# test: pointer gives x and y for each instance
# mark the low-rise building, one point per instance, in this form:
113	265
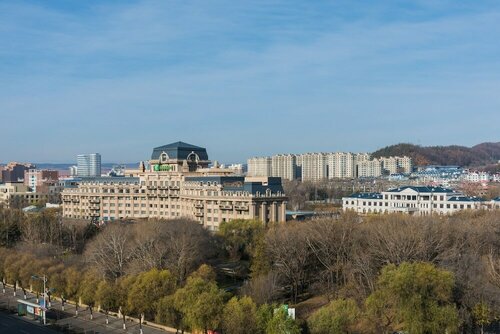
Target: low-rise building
476	176
417	200
17	193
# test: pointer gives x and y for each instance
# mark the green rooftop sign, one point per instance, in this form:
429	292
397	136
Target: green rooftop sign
162	168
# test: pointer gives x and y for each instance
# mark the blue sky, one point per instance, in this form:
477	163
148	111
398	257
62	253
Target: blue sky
245	78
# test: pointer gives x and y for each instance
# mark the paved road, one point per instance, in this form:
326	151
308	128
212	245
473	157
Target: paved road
80	323
12	324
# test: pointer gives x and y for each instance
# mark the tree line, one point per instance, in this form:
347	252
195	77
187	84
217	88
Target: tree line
377	274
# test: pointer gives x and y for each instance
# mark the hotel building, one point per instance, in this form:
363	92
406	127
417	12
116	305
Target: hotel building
177	183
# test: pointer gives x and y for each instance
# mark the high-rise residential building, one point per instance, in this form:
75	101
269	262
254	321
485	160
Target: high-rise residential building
177	184
37	178
260	166
405	164
369	168
319	166
394	165
284	166
89	165
314	167
341	165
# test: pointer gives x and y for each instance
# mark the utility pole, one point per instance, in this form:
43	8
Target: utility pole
44	300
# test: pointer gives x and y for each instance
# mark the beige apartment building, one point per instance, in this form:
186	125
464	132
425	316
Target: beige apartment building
394	165
341	165
284	166
177	184
260	166
369	168
20	193
314	167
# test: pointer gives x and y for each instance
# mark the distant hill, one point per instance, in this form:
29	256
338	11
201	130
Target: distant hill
479	155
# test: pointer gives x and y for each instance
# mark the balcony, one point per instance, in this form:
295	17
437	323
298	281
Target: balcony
199	205
75	200
162	187
241	207
152	187
174	195
225	206
94	201
94	215
163	195
198	214
174	187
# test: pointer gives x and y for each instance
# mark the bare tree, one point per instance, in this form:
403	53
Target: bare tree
179	245
111	250
290	255
262	289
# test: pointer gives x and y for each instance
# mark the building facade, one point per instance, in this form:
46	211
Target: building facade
341	165
314	167
414	200
20	195
14	172
38	179
89	165
397	165
259	166
369	168
177	184
284	166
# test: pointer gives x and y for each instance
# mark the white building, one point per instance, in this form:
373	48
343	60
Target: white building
237	168
314	167
369	168
259	166
284	166
341	165
477	177
89	165
73	171
421	200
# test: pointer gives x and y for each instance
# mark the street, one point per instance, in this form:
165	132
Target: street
69	323
12	324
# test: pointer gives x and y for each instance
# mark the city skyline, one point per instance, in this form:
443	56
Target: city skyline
268	77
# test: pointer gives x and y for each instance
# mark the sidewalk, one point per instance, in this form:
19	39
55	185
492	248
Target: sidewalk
82	322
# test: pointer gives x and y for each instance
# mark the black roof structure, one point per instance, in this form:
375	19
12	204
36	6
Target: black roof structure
180	151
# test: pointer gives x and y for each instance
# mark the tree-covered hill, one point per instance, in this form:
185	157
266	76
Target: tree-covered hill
478	155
